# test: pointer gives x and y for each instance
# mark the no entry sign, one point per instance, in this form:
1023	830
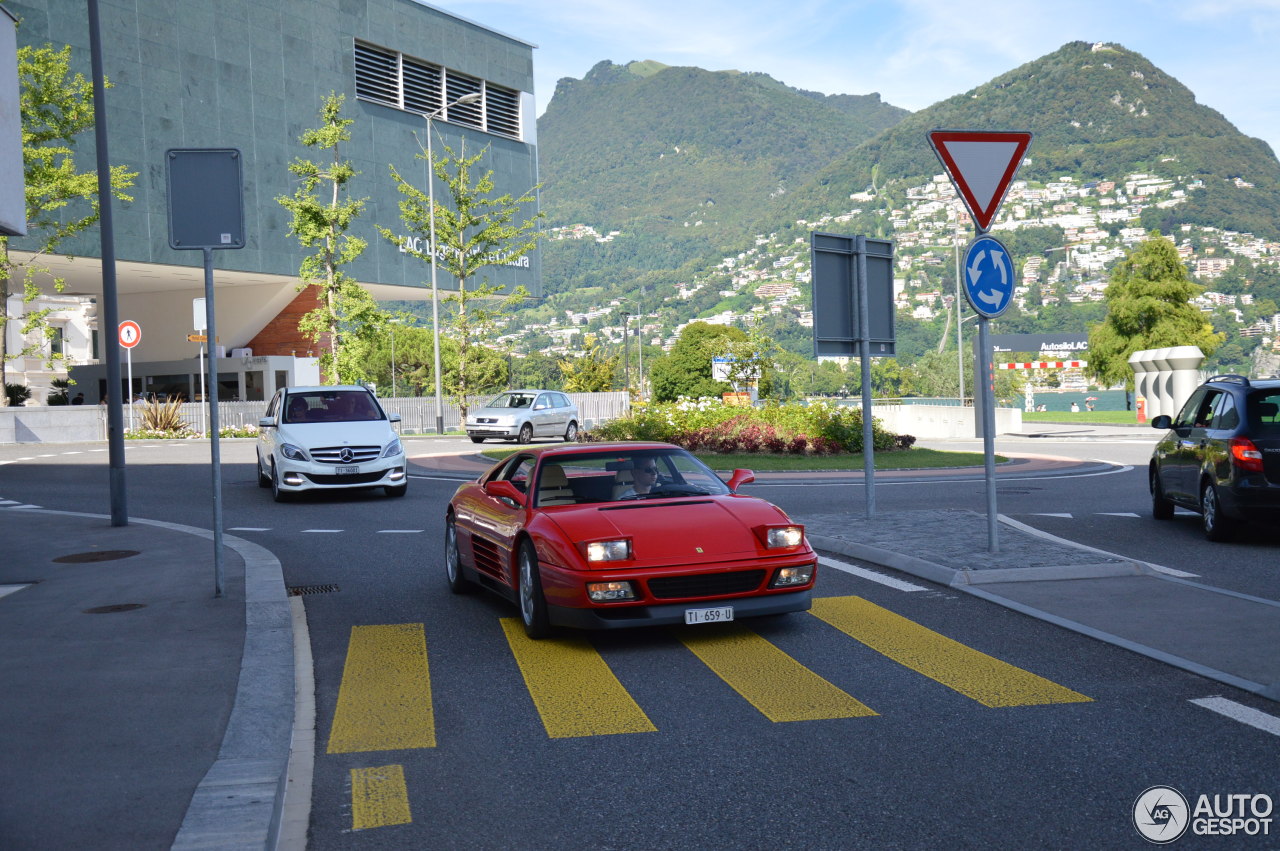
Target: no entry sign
130	334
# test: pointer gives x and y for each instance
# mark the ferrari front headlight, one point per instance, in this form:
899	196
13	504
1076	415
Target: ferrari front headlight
784	536
619	550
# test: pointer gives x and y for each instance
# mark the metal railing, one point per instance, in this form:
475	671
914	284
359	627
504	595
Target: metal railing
417	413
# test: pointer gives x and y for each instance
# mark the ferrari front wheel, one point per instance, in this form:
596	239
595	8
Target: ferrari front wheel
458	582
533	606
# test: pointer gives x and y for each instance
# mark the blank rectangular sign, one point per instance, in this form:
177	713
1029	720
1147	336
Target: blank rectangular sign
835	295
206	198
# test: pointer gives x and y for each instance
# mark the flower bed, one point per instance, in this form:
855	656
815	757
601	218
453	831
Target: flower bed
709	425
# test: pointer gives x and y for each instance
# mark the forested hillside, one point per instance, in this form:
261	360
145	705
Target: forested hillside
677	194
681	160
1098	112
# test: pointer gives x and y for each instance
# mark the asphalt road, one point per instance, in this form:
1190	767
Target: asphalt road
891	756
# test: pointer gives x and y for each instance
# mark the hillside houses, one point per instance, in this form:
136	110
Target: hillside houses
1099	221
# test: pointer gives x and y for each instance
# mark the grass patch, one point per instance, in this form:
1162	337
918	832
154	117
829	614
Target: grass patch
1082	417
908	459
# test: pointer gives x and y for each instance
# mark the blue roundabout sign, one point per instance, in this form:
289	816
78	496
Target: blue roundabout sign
988	276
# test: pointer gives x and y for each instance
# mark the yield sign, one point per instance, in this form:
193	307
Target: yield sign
981	164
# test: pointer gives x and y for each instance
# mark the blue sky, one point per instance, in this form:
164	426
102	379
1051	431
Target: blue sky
913	52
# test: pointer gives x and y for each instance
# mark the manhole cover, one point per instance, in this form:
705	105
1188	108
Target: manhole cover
96	555
299	590
118	607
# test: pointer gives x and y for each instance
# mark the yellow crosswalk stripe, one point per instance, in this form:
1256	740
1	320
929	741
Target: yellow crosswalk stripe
379	797
984	678
770	680
573	688
384	701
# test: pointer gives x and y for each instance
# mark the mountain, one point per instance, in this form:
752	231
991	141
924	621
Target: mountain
700	187
681	158
1098	112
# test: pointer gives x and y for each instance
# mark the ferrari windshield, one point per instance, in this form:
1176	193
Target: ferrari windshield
590	477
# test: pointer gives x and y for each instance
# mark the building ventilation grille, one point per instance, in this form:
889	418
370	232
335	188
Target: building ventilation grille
392	79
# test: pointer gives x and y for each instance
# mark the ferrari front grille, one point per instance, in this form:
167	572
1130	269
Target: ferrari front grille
706	584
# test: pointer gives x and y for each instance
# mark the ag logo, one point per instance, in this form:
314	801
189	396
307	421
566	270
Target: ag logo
1161	814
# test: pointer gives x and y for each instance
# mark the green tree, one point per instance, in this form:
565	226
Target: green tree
536	370
593	372
474	229
1148	307
321	223
686	369
55	106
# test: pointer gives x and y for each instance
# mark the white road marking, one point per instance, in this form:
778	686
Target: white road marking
1169	571
1117	514
322	531
9	589
249	529
8	502
1063	516
870	574
16	507
1240	712
400	531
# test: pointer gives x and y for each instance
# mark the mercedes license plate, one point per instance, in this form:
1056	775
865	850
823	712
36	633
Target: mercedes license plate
347	471
720	615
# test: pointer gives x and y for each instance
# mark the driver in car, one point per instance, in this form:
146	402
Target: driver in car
644	478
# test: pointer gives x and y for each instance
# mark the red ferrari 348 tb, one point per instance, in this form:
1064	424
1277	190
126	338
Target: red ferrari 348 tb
602	536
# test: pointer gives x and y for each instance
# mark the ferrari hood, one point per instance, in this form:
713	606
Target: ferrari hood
684	530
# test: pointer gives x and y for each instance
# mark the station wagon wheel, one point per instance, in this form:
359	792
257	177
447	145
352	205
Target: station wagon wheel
264	481
1215	524
1161	506
526	433
533	606
458	583
571	433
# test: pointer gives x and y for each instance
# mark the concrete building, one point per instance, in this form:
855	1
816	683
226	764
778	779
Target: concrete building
251	74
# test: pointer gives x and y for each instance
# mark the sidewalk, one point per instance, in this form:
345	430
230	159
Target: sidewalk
139	710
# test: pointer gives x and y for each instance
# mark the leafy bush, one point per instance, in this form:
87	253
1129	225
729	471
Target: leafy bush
16	394
61	393
164	417
708	425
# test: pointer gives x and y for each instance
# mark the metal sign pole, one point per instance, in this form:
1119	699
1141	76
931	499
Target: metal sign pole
864	355
204	396
128	354
988	412
214	449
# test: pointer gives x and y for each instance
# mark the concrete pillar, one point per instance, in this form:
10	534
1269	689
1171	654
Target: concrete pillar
1184	375
1140	362
1160	382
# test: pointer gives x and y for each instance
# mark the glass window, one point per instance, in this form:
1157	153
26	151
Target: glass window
1225	415
1264	412
1198	412
518	471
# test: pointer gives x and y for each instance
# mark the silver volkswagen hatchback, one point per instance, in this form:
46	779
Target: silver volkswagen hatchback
522	415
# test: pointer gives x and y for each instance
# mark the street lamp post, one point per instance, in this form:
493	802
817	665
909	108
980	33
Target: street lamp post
626	351
955	244
431	216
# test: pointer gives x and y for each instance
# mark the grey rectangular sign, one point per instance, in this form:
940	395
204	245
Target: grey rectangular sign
835	296
206	198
